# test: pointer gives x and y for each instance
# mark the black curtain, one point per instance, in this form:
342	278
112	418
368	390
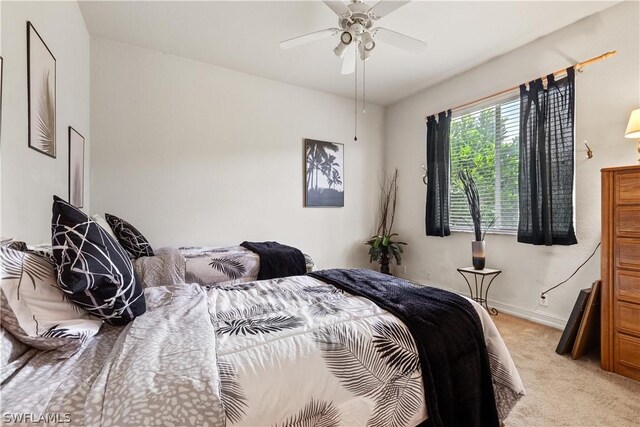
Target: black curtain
437	210
546	170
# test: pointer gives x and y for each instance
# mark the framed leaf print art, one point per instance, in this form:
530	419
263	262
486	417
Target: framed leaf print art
324	174
41	87
76	168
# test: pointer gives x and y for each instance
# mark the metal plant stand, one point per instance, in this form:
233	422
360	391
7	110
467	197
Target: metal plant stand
478	293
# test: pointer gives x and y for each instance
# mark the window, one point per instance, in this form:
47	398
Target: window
485	141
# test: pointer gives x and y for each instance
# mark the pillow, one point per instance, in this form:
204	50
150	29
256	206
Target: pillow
34	309
129	237
93	268
104	224
43	249
15	245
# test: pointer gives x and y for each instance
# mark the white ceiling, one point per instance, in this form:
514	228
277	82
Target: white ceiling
244	36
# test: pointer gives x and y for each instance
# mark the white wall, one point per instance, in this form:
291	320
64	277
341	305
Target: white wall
605	95
194	154
29	178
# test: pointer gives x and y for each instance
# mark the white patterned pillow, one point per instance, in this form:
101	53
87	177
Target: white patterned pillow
43	249
34	308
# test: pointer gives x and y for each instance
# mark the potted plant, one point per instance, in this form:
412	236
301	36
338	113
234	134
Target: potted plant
473	199
383	248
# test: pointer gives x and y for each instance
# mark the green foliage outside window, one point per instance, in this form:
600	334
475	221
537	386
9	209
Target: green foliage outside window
485	142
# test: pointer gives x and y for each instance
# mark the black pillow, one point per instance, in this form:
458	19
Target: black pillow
129	237
93	268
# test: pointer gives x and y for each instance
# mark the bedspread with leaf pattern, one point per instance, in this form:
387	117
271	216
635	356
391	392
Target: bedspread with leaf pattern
283	352
305	353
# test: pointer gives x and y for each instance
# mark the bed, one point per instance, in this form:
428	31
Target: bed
285	352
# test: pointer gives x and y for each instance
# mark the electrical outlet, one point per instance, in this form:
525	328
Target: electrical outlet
544	301
404	269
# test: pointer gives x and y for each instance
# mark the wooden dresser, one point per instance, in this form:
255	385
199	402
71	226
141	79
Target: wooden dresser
621	270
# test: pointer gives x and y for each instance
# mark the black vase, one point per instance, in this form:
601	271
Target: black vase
384	264
478	255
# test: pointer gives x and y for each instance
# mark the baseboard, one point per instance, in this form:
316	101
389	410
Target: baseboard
534	316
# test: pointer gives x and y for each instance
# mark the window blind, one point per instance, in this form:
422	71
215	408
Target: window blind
485	141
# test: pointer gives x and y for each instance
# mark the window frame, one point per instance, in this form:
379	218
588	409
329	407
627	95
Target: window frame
510	96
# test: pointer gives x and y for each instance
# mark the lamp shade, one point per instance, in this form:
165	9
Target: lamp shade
633	128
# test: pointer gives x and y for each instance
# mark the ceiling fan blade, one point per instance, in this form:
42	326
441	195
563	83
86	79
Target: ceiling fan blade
338	7
385	7
349	60
398	40
308	38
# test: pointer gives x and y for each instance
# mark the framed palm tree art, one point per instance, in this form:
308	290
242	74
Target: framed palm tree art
41	89
324	174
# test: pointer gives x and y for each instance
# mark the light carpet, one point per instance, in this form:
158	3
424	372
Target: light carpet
562	391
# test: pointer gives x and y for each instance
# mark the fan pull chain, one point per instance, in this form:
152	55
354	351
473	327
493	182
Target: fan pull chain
355	99
364	91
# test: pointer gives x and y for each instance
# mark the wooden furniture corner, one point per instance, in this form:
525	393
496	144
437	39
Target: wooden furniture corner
620	271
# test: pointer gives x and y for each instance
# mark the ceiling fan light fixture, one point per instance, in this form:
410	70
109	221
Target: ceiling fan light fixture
340	49
357	33
346	37
367	42
345	22
364	53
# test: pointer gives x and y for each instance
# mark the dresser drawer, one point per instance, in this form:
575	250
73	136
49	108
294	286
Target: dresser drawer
627	350
628	318
627	252
628	218
627	285
627	187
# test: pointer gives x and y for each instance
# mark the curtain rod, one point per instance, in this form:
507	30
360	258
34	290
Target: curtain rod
578	67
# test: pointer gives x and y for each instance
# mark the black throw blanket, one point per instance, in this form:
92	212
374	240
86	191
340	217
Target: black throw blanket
450	342
277	260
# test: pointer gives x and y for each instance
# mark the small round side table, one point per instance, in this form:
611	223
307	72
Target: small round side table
478	293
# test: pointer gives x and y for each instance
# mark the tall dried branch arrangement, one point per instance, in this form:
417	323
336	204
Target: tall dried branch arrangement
387	206
473	199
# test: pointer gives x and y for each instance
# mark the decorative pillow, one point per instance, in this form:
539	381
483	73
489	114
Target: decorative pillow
42	249
35	310
129	237
104	224
93	268
309	263
16	245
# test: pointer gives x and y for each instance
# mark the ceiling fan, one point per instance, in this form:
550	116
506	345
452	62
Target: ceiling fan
357	35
